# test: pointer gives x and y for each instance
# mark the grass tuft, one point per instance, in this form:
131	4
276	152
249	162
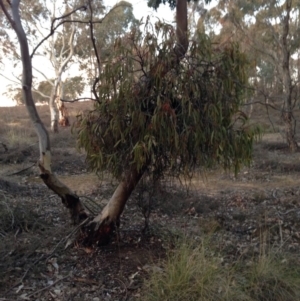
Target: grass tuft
199	273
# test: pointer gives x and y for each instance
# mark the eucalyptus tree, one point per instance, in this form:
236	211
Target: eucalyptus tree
268	29
72	88
164	105
117	21
167	107
39	19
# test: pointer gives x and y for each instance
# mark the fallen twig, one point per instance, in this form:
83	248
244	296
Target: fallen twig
67	237
84	280
47	287
20	171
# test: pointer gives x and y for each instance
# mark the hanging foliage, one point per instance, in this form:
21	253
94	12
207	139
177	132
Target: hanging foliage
174	123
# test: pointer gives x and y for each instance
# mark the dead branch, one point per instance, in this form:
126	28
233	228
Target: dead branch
20	171
52	30
97	79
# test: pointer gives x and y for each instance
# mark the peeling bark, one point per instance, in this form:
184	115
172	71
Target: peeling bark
58	112
63	115
62	109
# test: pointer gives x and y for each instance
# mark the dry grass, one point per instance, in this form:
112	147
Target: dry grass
201	273
17	131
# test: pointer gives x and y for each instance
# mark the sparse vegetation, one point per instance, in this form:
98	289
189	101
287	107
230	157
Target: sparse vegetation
236	215
165	109
198	271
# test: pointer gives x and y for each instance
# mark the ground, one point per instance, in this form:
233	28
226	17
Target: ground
41	253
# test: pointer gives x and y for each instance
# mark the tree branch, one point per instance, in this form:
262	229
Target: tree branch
46	78
97	79
8	16
78	99
52	29
40	93
11	80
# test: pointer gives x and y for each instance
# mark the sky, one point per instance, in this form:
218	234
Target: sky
140	10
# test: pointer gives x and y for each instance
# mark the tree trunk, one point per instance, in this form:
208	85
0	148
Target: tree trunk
287	113
57	111
101	228
290	131
62	109
70	200
63	114
53	111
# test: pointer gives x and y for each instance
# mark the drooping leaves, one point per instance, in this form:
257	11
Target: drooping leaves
188	118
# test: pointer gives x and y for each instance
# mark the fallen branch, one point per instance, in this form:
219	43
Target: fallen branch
20	171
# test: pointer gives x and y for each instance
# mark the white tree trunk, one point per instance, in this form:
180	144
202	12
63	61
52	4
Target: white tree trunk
69	198
53	112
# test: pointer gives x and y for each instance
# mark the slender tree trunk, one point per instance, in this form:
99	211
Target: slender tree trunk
53	111
58	111
287	113
69	198
62	109
103	225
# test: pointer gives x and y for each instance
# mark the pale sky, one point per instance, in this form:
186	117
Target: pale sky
140	10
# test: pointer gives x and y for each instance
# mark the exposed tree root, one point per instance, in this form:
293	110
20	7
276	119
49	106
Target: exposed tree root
98	234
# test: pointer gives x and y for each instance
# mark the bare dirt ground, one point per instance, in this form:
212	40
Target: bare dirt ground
42	259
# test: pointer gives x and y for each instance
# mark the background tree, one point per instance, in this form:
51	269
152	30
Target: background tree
267	29
72	88
116	22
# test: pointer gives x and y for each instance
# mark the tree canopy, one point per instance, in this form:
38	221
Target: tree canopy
188	118
172	3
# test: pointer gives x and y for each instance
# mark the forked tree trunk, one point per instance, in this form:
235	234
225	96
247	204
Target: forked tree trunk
57	110
101	227
287	113
69	199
